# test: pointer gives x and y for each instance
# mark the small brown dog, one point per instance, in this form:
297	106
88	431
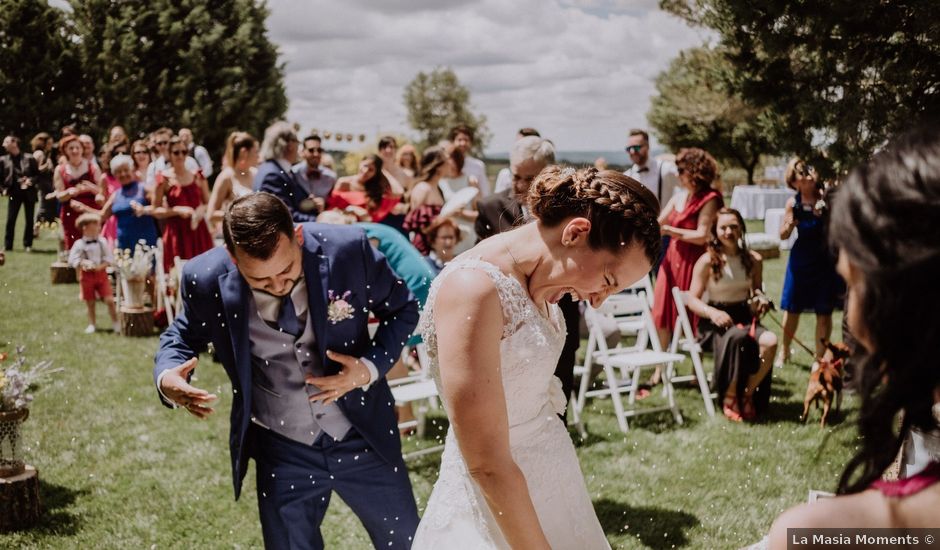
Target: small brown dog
825	382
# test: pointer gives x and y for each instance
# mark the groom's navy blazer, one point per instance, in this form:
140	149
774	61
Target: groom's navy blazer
335	258
271	178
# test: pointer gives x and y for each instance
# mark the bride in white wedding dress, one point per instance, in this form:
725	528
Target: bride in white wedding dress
509	474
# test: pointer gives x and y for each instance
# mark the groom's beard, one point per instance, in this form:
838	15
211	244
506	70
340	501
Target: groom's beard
286	292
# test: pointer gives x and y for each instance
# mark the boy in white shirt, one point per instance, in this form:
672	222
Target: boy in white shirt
91	256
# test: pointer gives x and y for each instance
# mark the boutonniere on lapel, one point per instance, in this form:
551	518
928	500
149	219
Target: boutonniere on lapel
339	308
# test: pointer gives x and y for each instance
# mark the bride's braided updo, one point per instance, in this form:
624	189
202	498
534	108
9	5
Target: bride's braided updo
621	211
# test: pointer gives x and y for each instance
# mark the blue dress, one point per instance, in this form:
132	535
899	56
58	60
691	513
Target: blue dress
130	228
811	282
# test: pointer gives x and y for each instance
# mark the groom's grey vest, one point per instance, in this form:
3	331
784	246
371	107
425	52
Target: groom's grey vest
280	398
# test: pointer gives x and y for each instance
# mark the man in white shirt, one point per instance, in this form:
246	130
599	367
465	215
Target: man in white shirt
196	151
462	138
504	178
660	177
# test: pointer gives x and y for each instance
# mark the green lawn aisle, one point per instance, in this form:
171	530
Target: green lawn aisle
119	470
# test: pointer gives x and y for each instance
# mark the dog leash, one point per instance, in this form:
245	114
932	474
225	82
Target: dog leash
792	336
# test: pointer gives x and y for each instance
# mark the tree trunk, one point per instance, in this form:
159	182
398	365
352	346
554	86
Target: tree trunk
20	506
136	322
751	166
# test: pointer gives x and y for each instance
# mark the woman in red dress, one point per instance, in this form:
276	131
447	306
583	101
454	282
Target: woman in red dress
686	219
371	195
75	180
181	197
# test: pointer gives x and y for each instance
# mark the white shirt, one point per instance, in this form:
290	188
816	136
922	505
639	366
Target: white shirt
95	251
503	181
654	174
202	159
475	167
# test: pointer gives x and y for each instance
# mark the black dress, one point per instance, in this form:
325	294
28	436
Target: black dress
737	355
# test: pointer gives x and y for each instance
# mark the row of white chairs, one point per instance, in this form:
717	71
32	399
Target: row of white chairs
628	314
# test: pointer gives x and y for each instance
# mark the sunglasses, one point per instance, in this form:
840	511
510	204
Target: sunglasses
633	148
314	149
139	152
178	153
162	143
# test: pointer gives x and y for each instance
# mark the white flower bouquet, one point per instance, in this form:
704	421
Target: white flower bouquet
18	381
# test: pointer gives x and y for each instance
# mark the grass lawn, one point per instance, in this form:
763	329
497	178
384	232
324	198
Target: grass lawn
119	470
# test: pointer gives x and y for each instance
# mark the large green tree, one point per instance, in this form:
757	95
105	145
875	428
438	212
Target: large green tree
697	106
843	74
437	102
39	68
208	65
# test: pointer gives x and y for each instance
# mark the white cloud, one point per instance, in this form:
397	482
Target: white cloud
581	71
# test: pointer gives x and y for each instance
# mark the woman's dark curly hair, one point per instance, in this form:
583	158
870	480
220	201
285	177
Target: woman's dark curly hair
885	220
700	166
621	210
715	260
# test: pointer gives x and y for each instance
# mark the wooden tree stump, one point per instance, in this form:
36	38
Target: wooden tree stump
20	506
136	321
62	273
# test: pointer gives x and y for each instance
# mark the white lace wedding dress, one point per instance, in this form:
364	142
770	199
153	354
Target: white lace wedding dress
457	515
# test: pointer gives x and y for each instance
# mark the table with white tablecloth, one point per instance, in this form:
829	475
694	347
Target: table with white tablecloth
773	219
752	201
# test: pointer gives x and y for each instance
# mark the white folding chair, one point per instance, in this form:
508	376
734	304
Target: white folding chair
684	341
622	365
417	389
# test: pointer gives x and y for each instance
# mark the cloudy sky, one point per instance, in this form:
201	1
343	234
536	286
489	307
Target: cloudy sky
581	71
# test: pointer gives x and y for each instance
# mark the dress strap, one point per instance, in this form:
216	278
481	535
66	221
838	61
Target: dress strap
512	296
909	485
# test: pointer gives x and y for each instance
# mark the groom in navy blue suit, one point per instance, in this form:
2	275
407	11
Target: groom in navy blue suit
286	310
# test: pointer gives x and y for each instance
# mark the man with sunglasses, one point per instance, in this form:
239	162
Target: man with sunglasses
317	181
658	176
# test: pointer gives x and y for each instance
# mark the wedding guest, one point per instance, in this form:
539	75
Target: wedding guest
236	178
107	185
659	176
316	182
180	200
884	226
90	256
388	152
196	151
504	177
444	235
426	198
408	160
686	219
118	136
75	179
132	226
279	153
328	165
314	423
88	149
504	210
160	143
732	276
41	145
372	196
811	282
19	173
140	152
462	138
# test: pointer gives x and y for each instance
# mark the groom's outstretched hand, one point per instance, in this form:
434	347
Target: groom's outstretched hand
354	373
174	385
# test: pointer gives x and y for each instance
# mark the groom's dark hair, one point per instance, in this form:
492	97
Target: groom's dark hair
253	225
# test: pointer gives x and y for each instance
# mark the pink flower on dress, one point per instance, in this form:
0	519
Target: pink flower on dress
339	309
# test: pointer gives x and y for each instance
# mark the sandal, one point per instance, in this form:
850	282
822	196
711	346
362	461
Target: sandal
730	409
748	412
